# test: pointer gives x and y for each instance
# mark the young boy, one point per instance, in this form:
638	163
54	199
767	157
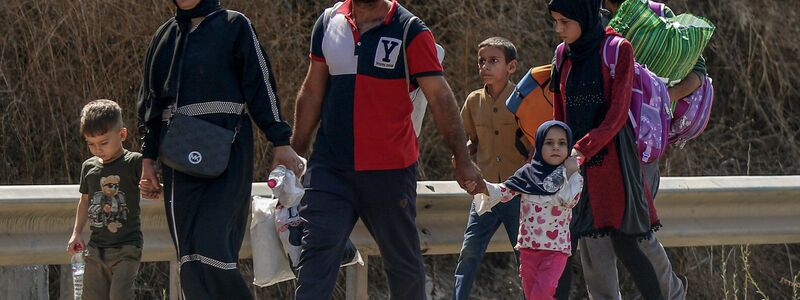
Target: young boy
501	149
110	203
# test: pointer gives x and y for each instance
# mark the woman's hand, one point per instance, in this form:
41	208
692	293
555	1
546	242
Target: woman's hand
285	155
149	186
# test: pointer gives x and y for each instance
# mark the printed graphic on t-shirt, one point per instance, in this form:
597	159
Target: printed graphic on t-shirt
107	208
387	53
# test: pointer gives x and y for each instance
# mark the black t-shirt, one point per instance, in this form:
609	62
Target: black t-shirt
113	190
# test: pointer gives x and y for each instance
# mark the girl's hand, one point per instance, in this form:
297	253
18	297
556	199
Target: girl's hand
571	164
578	155
477	187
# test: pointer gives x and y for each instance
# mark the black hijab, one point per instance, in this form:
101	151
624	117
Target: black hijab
587	13
202	9
538	177
584	95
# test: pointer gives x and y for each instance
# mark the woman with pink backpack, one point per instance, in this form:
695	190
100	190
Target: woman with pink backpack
693	94
615	201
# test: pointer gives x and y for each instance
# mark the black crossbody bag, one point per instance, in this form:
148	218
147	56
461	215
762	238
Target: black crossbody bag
196	147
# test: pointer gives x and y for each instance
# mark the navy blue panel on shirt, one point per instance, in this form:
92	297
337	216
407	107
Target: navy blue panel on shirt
334	141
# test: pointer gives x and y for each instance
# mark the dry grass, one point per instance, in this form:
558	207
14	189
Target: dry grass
58	55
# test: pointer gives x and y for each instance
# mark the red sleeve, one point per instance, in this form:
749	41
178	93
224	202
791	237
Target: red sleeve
422	59
619	104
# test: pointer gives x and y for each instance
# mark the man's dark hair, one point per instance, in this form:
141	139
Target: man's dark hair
100	116
504	44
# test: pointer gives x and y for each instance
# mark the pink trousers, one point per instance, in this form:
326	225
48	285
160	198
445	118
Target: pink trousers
540	271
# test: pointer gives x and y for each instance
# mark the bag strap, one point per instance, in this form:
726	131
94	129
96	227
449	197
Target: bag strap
328	14
560	56
406	27
149	56
656	7
611	53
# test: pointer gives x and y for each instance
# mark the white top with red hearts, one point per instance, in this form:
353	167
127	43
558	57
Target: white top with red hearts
544	220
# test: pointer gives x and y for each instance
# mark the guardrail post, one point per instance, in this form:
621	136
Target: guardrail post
24	282
357	284
175	292
65	283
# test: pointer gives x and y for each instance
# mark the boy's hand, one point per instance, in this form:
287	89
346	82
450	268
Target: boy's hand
571	164
75	244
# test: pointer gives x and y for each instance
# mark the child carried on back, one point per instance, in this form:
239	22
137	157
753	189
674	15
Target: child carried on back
550	185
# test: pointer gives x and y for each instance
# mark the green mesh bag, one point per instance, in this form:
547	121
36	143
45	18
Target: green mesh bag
669	47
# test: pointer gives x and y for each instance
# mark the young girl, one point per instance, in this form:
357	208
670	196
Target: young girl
615	201
550	186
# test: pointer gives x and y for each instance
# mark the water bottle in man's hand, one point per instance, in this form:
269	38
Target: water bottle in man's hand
285	186
277	176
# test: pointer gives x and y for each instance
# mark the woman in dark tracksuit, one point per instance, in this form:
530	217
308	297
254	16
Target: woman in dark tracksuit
210	60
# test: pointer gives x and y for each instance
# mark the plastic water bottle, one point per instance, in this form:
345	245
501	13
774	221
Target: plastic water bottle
78	265
277	176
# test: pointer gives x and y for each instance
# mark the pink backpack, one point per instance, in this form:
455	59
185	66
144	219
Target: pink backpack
649	112
691	113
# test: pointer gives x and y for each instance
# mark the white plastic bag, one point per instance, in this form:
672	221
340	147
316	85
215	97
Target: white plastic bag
419	101
270	264
288	220
284	219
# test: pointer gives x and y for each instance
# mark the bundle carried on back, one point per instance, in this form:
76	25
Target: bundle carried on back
669	47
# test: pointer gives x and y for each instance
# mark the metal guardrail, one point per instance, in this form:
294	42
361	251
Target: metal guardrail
35	221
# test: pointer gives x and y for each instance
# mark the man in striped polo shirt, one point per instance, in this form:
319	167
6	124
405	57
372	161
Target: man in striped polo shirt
364	163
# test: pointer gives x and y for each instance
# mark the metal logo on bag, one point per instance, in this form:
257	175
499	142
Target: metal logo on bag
195	157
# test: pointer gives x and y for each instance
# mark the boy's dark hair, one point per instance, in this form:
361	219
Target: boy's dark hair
504	44
617	2
100	116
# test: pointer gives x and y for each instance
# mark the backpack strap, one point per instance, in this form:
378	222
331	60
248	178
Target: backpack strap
559	56
329	13
406	27
656	7
611	53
